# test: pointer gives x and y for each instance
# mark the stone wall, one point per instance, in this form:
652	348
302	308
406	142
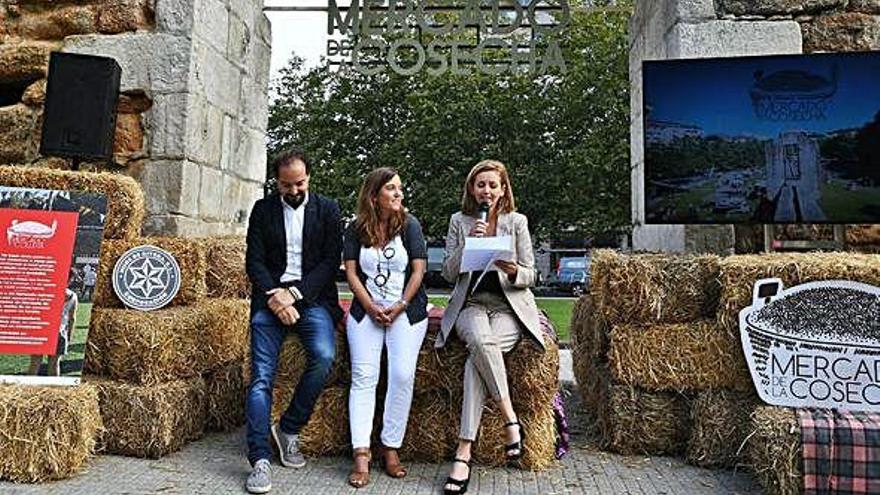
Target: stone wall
191	122
667	29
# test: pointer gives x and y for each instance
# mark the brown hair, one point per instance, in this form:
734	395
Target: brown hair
368	225
505	203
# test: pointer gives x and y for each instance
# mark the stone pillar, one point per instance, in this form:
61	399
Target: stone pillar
205	70
667	29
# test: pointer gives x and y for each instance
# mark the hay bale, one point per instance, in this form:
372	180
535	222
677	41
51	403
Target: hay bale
738	275
225	392
225	276
440	370
653	288
595	387
47	432
678	356
152	420
721	423
147	347
125	198
539	426
533	373
432	429
226	334
635	421
327	431
774	449
189	253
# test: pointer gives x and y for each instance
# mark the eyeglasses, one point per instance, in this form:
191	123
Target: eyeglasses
382	278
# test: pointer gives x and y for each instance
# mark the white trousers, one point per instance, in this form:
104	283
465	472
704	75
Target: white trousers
365	342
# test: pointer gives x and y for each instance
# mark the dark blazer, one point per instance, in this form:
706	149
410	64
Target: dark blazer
266	258
416	248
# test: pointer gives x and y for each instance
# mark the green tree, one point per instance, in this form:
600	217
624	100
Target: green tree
564	137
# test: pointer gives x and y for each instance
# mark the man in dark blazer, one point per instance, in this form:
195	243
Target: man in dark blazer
293	254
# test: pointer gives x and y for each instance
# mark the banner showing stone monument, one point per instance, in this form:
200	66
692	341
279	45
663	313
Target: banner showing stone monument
50	245
815	344
771	139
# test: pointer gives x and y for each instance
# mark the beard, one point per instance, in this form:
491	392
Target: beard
294	199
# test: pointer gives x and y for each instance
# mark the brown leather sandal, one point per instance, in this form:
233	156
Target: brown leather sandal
357	478
391	463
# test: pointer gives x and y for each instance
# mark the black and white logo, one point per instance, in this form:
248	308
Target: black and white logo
814	345
146	278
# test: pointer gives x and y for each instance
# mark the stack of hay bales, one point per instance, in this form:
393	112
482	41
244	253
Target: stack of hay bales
647	350
434	419
49	432
657	354
165	376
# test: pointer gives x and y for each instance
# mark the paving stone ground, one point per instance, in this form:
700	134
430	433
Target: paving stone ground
216	465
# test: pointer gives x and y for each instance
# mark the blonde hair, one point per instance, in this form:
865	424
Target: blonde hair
506	203
368	225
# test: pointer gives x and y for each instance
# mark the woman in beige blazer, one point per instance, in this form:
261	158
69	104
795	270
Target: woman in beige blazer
490	318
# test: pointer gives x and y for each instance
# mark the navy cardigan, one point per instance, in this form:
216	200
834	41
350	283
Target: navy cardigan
414	243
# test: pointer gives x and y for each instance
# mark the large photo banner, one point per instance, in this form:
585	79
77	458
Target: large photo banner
48	253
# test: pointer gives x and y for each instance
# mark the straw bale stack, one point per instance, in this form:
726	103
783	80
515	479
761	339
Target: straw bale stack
225	391
226	335
634	421
739	273
653	288
125	198
151	420
189	253
721	424
147	347
678	356
775	450
48	432
540	434
225	276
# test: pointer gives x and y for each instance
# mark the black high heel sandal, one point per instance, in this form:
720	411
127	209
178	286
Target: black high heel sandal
518	445
461	484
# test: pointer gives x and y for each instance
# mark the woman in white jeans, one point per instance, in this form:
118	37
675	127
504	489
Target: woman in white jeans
385	257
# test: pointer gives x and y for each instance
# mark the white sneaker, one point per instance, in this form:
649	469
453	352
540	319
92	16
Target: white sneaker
260	479
288	448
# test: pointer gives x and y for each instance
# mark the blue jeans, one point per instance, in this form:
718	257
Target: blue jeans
316	332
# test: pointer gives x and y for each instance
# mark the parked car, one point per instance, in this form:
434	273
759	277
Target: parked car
434	274
572	275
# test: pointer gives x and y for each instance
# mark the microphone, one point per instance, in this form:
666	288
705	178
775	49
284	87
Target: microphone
483	211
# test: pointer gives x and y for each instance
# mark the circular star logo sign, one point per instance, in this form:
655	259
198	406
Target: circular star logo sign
146	278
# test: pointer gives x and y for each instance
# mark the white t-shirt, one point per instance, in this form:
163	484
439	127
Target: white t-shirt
385	269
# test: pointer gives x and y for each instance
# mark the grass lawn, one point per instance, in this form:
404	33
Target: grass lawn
840	204
559	311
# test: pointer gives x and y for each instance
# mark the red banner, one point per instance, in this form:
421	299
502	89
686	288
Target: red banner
35	255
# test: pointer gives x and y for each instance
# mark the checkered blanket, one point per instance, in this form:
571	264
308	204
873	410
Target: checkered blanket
841	451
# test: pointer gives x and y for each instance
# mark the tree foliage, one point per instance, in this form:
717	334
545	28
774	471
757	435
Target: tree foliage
564	137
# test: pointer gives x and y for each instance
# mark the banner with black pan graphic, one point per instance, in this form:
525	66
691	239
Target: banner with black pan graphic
815	344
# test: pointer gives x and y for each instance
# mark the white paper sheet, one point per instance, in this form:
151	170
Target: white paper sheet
480	254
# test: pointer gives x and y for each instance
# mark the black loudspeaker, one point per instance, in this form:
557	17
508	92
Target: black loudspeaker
79	116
